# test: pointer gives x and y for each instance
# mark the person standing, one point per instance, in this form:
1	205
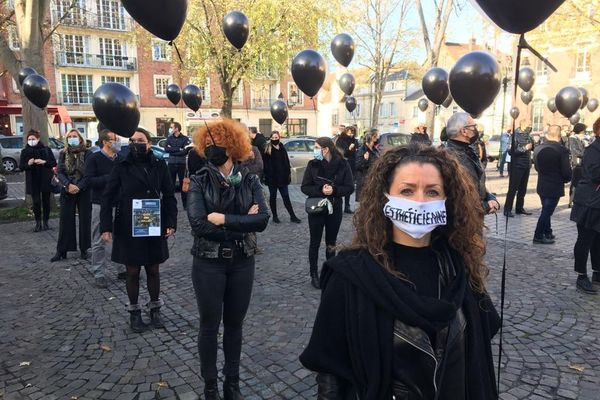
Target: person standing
519	170
141	186
340	131
176	147
586	213
226	207
576	148
551	161
348	145
258	139
75	198
328	177
365	157
278	176
504	145
420	135
38	161
255	163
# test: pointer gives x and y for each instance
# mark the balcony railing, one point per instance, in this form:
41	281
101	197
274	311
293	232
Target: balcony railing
262	103
83	98
70	59
85	19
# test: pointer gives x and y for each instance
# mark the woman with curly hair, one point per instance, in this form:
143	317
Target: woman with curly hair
404	312
226	208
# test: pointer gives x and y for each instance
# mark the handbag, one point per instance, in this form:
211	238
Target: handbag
318	206
55	185
185	183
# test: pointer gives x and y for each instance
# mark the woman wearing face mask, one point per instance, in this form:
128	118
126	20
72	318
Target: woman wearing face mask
141	187
348	145
226	208
404	312
74	198
37	161
328	177
365	157
278	176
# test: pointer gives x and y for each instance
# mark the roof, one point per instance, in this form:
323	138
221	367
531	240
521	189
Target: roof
416	95
61	115
394	76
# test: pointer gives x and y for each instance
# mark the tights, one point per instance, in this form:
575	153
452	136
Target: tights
133	282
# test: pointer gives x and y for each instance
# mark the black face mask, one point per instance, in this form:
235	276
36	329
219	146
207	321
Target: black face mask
216	155
274	142
475	136
139	151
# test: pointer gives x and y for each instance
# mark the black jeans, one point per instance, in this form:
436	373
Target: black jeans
588	242
39	200
223	290
67	234
544	224
331	224
517	184
178	170
285	195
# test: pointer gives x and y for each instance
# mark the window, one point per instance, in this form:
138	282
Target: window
13	38
538	114
123	80
261	95
70	12
238	94
110	14
295	96
160	85
382	110
204	87
296	126
161	51
583	61
541	70
415	112
74	49
77	89
111	52
392	109
335	120
296	146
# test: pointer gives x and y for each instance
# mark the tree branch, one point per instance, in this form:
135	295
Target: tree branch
424	29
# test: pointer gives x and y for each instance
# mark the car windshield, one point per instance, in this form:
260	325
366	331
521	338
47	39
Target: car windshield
398	140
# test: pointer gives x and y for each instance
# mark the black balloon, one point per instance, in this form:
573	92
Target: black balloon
435	85
448	101
192	97
342	48
308	71
574	118
116	107
526	97
475	82
423	104
162	18
526	78
552	105
568	100
592	105
518	16
350	103
514	113
173	93
279	111
24	73
347	84
584	97
37	90
236	28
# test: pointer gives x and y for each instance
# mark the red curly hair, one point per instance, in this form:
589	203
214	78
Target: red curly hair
226	133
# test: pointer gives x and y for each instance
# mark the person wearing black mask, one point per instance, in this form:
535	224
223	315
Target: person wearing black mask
226	207
176	146
461	131
366	156
141	186
348	145
520	165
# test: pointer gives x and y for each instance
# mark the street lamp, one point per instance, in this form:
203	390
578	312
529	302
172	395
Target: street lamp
293	98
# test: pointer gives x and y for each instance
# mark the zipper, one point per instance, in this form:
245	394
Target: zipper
426	352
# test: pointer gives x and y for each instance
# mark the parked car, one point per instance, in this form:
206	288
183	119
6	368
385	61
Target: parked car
158	152
300	150
3	188
390	140
12	146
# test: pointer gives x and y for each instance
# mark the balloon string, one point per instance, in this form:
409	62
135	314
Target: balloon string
172	43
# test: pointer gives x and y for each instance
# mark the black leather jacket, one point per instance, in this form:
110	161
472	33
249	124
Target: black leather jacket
210	192
520	156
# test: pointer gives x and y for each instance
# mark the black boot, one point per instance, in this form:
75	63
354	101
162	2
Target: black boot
273	205
45	226
156	319
231	388
211	390
290	209
58	256
314	278
38	226
136	322
84	254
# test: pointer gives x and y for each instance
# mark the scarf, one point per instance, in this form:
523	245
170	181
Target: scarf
75	162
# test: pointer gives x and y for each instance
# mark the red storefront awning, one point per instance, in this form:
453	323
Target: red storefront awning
61	115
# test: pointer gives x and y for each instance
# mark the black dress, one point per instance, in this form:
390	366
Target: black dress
277	167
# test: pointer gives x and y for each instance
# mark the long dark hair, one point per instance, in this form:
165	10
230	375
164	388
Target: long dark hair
326	142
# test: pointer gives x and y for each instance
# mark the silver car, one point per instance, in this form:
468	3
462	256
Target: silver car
12	146
300	150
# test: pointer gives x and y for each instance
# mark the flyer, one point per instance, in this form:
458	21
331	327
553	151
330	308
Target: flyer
145	218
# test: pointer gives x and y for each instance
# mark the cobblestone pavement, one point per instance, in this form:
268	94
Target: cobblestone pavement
61	338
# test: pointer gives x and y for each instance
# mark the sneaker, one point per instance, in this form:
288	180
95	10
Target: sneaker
101	283
584	285
543	240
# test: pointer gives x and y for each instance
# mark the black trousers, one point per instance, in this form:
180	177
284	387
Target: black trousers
41	200
331	225
285	195
223	290
178	170
588	242
67	232
517	185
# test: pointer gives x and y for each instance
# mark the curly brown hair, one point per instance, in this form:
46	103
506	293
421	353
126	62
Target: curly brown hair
226	133
596	127
464	229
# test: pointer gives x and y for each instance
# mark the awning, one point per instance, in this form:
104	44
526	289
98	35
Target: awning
61	115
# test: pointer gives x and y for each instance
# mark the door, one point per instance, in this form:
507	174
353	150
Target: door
162	126
265	126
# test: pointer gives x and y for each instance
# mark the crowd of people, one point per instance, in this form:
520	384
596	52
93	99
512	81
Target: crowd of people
408	290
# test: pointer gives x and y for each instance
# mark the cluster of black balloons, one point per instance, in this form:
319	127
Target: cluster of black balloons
569	100
35	87
191	95
342	48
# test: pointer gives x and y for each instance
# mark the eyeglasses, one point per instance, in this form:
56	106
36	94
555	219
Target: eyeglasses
140	141
472	127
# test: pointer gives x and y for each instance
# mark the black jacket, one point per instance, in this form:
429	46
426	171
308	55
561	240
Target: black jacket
336	173
352	346
520	157
37	177
588	189
468	159
362	166
260	141
277	167
343	143
175	146
195	162
210	192
420	138
98	167
551	161
131	180
63	175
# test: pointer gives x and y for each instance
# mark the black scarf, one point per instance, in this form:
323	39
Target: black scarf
353	333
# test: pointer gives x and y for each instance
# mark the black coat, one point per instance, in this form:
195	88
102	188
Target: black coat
176	147
336	173
132	180
37	177
64	177
551	161
343	143
260	141
277	167
520	157
362	166
588	190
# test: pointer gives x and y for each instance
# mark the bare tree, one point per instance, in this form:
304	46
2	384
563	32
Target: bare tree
383	39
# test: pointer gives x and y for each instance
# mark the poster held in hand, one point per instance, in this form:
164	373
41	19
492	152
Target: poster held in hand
145	218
